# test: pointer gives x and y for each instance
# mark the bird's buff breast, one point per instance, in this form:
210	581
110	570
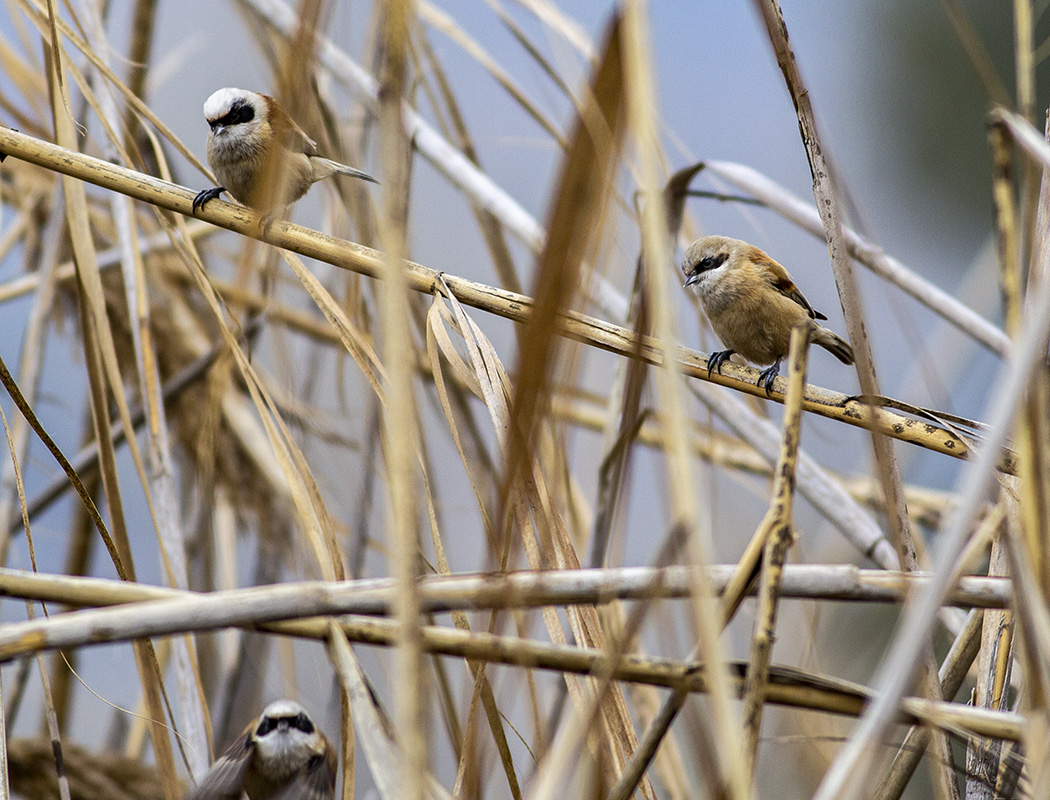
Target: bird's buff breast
742	318
236	163
239	165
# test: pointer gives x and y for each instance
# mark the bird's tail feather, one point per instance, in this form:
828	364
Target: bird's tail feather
329	167
834	344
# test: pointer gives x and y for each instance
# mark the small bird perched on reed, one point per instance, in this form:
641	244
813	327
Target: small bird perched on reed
252	141
280	756
752	304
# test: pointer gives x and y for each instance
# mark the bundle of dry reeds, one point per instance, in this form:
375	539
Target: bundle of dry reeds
311	461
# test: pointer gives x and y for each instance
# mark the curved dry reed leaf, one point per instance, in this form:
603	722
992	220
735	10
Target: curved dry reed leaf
438	340
577	210
356	344
380	752
437	336
675	192
585	623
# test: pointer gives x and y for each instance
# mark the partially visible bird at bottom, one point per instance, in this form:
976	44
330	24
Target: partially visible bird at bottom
280	756
752	304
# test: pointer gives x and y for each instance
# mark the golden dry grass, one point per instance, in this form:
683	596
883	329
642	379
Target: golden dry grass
330	429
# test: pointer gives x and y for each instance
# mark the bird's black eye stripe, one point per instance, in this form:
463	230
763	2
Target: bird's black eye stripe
300	722
711	262
240	112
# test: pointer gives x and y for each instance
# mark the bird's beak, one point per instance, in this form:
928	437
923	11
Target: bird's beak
693	277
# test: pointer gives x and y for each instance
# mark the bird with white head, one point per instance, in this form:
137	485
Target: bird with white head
259	154
280	756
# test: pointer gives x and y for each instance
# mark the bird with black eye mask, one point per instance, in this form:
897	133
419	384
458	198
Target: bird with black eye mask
280	756
752	304
249	136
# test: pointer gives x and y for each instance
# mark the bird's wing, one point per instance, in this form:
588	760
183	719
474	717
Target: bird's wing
317	781
287	131
781	281
224	779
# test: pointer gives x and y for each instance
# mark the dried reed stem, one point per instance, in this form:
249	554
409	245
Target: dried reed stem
580	327
777	535
855	762
953	672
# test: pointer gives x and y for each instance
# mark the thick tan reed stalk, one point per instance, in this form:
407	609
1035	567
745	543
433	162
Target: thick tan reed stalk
363	260
400	444
953	671
787	686
845	281
777	535
841	582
